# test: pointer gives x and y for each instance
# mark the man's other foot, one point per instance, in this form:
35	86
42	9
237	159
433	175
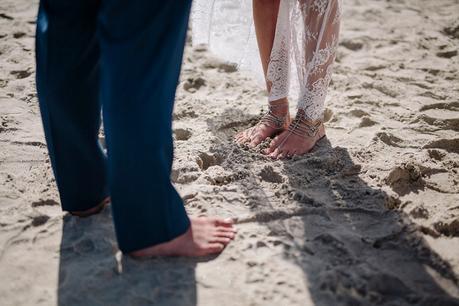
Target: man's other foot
92	211
205	236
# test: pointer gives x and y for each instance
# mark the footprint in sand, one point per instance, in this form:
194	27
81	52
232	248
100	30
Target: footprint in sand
216	63
5	124
45	202
182	134
19	35
436	154
30	143
268	174
194	84
405	179
358	113
217	175
352	45
21	74
330	246
206	160
39	220
448	228
185	113
84	246
441	115
447	53
441	123
388	139
367	121
387	285
452	31
451	106
3	83
419	213
328	114
187	172
450	145
5	16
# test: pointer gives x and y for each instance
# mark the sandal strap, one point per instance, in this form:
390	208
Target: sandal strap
303	127
272	120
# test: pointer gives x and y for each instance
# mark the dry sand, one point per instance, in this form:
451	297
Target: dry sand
370	217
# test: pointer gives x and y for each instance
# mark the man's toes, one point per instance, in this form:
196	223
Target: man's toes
226	231
221	240
228	222
230	229
213	248
225	234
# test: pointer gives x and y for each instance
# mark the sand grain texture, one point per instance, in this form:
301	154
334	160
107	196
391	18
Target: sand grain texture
370	217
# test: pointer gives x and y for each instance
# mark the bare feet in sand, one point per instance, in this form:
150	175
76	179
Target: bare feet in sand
204	237
271	124
300	137
92	211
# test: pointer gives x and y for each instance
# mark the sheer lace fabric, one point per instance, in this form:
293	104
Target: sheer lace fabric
303	51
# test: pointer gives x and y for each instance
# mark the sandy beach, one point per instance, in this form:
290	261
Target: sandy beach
369	217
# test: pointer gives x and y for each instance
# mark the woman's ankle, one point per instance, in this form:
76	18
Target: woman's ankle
279	107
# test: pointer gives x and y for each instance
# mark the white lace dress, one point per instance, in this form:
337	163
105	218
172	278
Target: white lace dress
303	52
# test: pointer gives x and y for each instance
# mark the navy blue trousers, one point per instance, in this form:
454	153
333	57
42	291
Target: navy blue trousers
122	57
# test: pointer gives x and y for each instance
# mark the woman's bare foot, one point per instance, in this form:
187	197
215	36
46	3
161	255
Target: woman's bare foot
204	237
271	124
92	211
300	137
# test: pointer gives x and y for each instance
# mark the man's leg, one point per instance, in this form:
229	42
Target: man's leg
142	45
68	91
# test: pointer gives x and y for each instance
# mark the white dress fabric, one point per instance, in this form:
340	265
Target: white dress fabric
303	52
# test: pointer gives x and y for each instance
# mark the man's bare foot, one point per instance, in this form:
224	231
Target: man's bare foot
300	137
204	237
271	124
92	211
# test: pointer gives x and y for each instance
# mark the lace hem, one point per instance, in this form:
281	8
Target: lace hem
306	35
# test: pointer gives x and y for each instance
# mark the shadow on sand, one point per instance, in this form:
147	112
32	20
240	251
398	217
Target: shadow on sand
352	249
91	274
337	230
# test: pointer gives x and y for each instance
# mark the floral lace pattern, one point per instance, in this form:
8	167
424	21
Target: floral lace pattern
279	63
303	52
319	6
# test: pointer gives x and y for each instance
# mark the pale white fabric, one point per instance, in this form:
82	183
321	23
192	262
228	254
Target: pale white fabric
304	47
